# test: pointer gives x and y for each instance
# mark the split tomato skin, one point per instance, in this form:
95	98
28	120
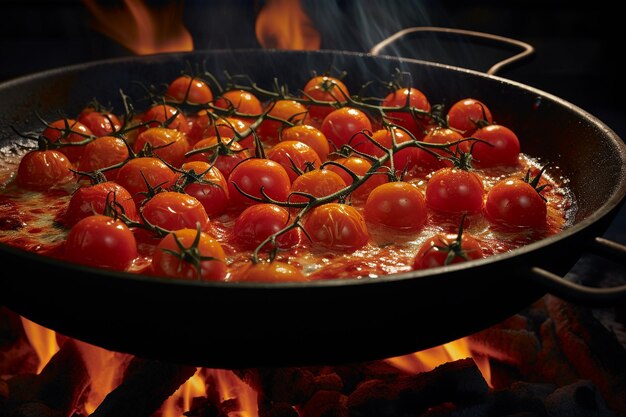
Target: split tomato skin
101	241
336	226
515	203
396	205
164	263
42	170
452	190
432	253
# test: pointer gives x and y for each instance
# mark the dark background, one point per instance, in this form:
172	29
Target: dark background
577	46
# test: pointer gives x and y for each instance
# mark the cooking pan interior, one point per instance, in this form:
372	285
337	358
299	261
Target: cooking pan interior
201	324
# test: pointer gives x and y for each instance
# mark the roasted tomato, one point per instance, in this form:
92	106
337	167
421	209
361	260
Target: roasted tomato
397	205
336	226
453	190
502	147
190	254
140	173
42	170
158	114
256	223
325	88
170	210
224	156
467	115
212	191
514	202
294	156
446	249
93	199
408	98
274	271
68	133
241	101
440	136
317	183
288	110
360	167
101	241
256	177
104	152
341	125
168	144
186	89
308	135
101	123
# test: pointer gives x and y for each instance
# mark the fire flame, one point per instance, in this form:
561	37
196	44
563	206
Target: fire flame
42	340
429	359
141	29
282	24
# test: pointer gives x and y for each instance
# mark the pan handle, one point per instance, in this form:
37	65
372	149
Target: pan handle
581	294
526	49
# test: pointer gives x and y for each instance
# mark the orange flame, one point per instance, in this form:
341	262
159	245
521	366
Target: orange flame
105	370
180	401
43	341
429	359
282	24
230	386
141	29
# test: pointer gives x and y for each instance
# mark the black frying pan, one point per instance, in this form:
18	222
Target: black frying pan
228	325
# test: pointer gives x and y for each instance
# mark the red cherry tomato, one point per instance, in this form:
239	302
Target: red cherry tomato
190	90
404	159
397	205
288	110
324	88
436	251
318	183
452	190
359	166
228	155
100	123
308	135
502	149
170	261
92	199
416	99
101	241
466	115
240	100
229	128
337	227
136	172
168	144
213	196
341	125
254	175
65	132
104	152
42	170
158	114
440	136
516	203
292	153
274	271
256	223
170	210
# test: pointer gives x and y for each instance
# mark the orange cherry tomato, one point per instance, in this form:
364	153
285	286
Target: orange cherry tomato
168	144
68	131
42	170
467	115
255	175
325	88
104	152
292	154
137	171
288	110
318	183
336	226
414	98
397	205
341	125
309	135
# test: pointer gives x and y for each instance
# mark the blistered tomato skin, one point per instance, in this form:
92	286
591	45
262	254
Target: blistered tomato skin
91	199
42	170
336	226
397	205
256	223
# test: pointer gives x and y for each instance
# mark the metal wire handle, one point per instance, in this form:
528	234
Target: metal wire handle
527	50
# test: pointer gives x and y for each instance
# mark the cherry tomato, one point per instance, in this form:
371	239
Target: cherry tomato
454	190
359	166
228	128
436	251
397	205
324	88
170	261
466	115
172	211
101	241
168	144
341	125
42	170
336	226
274	271
318	183
67	131
158	114
228	156
405	159
190	90
137	171
255	174
104	152
292	153
258	222
514	202
288	110
92	199
242	101
416	99
440	136
309	135
503	148
213	196
100	123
